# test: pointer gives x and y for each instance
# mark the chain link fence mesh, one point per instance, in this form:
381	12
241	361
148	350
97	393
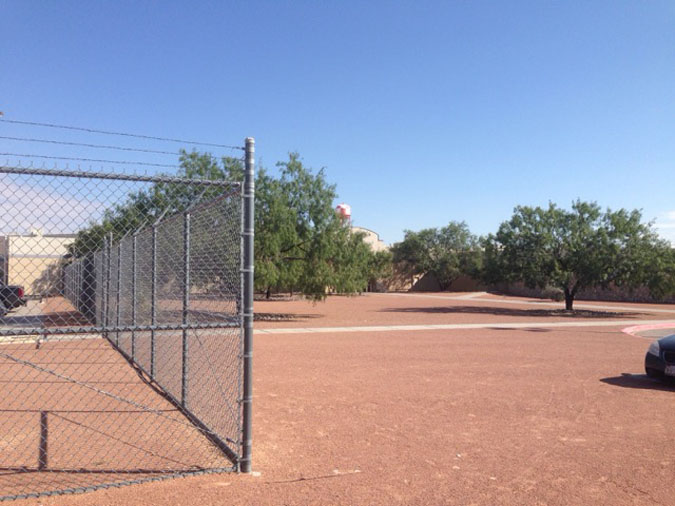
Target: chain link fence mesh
120	329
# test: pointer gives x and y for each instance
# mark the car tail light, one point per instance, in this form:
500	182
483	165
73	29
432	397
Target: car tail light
21	293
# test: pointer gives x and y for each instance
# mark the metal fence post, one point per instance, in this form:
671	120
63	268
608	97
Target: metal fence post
106	316
118	291
186	306
153	302
43	455
100	287
87	299
247	306
133	296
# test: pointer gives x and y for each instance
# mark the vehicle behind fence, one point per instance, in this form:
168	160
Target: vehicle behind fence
131	360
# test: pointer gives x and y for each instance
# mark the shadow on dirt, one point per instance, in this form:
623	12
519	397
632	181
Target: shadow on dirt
21	321
61	319
501	311
284	317
641	382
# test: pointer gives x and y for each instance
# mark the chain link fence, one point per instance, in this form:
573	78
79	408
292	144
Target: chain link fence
125	350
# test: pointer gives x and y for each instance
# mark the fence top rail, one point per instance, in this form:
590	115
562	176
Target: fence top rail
4	169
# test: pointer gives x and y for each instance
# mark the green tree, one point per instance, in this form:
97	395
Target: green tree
660	277
144	207
446	253
381	267
300	243
571	250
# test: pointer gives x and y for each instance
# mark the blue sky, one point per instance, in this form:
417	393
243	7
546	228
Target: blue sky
421	112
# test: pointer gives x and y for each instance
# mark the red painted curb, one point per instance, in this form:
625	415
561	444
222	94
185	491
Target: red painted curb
637	328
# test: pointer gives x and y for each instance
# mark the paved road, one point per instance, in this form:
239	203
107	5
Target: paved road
27	316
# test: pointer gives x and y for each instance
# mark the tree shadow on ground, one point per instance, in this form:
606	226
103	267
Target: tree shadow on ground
214	316
641	382
284	317
501	311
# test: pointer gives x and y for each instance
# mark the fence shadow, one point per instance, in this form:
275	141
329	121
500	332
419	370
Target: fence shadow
68	422
502	311
65	319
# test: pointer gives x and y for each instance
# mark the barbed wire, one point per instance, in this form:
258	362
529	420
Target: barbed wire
85	145
31	160
124	134
95	160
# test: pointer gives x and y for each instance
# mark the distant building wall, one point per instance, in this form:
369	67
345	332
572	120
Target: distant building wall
429	283
372	239
426	283
4	254
33	261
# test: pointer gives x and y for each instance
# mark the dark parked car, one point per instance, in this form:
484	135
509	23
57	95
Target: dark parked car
11	297
660	359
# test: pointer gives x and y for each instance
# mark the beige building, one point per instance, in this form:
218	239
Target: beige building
372	239
31	260
376	244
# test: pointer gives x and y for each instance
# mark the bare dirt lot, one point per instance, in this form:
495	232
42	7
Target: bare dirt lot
540	413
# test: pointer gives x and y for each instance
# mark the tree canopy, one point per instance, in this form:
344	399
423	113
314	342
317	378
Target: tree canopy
446	253
300	242
575	249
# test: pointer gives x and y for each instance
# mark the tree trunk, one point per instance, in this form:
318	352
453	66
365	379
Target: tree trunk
569	299
268	293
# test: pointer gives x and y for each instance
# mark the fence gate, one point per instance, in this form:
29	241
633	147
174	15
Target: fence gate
130	360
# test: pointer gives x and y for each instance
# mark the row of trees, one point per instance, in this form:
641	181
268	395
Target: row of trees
301	245
547	247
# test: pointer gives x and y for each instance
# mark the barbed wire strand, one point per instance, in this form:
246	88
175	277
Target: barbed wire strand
85	145
96	160
124	134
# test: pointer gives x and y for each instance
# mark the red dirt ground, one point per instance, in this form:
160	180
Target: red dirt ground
483	416
428	308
